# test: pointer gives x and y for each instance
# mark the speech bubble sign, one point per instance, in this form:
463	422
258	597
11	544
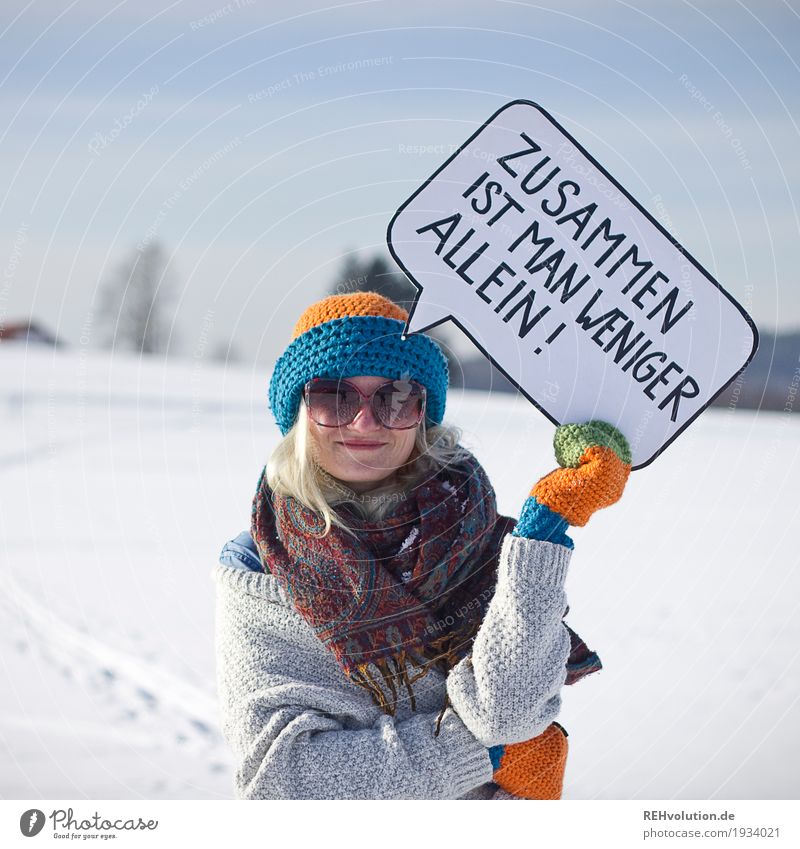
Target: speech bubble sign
567	284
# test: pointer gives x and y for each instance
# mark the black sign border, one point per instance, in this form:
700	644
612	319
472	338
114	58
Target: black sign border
675	242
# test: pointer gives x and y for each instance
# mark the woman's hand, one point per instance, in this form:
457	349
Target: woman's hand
533	769
596	461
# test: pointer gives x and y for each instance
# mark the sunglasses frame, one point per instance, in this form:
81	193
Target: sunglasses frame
368	397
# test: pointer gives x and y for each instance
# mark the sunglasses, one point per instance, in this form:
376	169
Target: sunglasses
396	404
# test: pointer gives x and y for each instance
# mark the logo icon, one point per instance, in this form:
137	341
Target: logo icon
31	822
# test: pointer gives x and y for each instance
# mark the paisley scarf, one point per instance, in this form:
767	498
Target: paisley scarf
396	597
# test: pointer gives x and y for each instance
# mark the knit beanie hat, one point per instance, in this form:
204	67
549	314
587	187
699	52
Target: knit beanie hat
350	335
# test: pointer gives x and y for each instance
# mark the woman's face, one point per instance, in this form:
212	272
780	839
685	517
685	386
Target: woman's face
364	452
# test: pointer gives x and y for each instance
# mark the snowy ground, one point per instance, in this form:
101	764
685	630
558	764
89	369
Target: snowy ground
121	481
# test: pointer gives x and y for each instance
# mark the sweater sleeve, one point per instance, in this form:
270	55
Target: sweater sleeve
507	690
299	730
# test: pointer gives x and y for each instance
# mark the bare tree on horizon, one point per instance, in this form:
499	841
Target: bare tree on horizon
134	302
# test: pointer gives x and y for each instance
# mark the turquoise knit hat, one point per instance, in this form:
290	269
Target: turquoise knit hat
351	335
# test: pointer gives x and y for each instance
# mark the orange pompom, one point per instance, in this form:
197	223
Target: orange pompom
340	306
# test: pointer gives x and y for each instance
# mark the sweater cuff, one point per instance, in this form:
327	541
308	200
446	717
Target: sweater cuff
535	564
467	760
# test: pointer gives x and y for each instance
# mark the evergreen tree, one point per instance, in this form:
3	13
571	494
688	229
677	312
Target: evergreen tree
378	275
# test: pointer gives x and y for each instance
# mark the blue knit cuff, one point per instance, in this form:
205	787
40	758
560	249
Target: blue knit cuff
495	753
537	521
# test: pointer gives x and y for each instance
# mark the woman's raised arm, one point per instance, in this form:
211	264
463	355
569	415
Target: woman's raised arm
507	690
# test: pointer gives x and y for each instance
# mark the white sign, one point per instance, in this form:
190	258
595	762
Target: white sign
567	284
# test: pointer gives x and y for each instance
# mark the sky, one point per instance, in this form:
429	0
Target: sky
264	142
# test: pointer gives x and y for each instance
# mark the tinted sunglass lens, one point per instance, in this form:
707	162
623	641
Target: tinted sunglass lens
332	404
398	404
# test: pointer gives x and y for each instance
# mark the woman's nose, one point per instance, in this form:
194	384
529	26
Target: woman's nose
365	419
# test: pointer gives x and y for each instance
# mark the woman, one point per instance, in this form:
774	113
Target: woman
381	631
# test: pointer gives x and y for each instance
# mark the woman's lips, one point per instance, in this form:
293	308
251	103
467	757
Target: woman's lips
362	445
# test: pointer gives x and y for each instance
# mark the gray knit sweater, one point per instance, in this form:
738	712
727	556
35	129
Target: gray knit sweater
300	730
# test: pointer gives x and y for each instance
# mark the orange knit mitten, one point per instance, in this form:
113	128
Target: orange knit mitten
598	462
533	769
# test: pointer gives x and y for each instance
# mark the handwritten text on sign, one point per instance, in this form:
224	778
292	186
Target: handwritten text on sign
567	284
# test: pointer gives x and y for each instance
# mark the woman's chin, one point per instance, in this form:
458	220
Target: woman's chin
365	478
360	477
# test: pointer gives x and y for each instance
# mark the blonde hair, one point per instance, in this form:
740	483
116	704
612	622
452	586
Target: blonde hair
292	471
